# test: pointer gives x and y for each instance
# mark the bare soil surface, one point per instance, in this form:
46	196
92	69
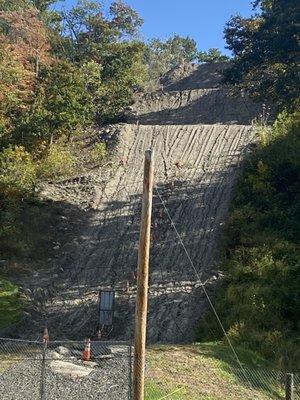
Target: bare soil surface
200	136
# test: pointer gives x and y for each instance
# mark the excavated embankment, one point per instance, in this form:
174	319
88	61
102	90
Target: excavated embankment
200	135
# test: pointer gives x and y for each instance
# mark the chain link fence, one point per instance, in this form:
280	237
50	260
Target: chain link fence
32	370
186	376
55	370
265	386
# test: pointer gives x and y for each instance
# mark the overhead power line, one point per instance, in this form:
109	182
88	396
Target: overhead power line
201	283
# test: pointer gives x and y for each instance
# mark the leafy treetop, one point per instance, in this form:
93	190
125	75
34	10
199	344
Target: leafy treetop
266	50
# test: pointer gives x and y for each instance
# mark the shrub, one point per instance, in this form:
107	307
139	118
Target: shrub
258	301
99	152
58	162
17	180
10	303
17	172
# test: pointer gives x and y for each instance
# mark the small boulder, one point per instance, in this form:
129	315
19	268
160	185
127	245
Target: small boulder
69	369
55	356
63	351
91	364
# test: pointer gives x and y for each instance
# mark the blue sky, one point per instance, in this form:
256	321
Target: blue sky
202	20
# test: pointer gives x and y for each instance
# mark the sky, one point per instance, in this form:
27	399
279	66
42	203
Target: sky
202	20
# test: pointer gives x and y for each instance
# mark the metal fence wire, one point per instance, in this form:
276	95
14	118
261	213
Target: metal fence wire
56	370
193	378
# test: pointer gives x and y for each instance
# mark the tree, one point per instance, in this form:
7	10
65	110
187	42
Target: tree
15	5
14	86
266	52
90	32
124	19
259	298
211	56
181	49
108	42
122	72
62	105
42	5
28	35
23	47
161	56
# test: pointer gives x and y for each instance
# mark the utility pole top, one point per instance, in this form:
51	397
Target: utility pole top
149	153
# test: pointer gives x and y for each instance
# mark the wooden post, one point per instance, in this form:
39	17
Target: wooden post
45	344
142	281
289	387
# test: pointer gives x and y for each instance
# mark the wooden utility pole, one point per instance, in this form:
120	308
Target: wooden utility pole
142	281
289	387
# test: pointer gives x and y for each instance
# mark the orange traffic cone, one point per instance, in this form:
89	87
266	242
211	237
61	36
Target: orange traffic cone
86	354
46	335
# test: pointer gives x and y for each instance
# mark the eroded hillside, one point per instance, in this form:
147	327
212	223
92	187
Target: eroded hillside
200	135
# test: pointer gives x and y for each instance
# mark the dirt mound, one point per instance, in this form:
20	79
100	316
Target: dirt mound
194	94
193	76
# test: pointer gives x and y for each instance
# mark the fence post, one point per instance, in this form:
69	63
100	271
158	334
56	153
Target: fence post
289	387
45	344
130	372
43	394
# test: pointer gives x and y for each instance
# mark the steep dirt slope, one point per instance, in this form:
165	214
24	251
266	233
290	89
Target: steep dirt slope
200	136
197	106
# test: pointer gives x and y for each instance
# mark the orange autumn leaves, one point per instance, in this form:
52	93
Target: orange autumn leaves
24	45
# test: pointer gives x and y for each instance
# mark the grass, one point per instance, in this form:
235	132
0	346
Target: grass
154	391
207	371
10	311
6	361
10	303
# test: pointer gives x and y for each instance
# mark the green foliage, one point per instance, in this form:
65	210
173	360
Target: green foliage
17	179
17	172
266	52
58	162
259	301
161	56
124	19
13	94
97	67
180	49
10	303
90	33
99	152
13	5
89	36
61	106
121	74
42	5
60	74
211	56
